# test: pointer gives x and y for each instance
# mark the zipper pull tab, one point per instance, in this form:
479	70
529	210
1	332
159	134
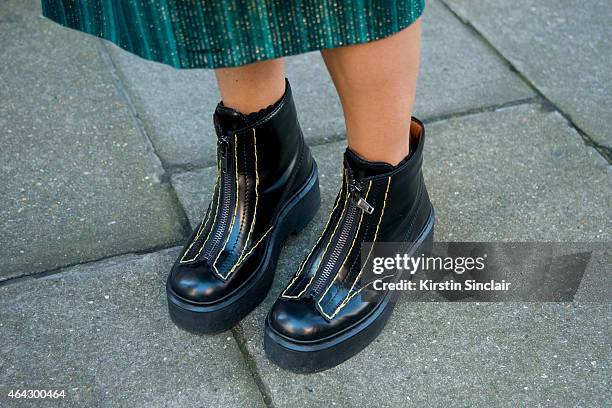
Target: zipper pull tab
359	201
364	205
223	148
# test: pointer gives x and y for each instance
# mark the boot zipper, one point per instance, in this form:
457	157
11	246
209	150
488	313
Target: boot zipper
360	201
225	199
348	231
223	148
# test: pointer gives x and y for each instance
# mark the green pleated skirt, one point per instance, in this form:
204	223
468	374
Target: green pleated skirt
226	33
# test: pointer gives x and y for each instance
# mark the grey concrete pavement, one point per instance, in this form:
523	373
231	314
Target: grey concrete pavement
78	182
477	355
175	107
459	72
103	153
517	173
562	47
101	332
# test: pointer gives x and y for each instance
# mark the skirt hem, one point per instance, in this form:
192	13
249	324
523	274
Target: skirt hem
181	55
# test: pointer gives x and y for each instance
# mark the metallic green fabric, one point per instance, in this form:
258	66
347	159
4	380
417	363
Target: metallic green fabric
222	33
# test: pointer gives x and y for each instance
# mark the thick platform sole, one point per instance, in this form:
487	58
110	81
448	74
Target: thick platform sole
312	357
222	316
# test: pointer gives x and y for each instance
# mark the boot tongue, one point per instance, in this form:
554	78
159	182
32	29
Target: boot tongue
229	120
361	168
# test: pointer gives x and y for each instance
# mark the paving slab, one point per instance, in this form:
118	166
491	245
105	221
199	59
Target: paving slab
101	332
563	47
77	180
175	107
449	354
519	173
459	73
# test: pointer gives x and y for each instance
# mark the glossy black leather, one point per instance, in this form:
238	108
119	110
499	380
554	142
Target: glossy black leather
260	166
312	307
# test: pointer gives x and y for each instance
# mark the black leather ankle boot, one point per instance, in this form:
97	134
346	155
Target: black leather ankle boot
267	187
330	310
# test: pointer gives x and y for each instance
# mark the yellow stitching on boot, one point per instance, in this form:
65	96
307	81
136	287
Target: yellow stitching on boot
297	274
351	247
201	229
350	295
252	226
214	267
203	223
320	237
242	258
348	299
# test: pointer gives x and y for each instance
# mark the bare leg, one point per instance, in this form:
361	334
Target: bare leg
252	87
376	83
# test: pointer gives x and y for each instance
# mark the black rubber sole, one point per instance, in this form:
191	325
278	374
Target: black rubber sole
222	316
312	357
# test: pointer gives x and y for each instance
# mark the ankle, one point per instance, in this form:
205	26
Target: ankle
391	157
248	99
230	118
